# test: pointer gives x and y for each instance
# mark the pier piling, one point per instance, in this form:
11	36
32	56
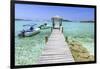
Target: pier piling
46	39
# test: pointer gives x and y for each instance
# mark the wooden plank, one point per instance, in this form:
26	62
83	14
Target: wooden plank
56	50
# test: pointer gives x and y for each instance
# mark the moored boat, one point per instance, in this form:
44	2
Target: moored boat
29	32
44	26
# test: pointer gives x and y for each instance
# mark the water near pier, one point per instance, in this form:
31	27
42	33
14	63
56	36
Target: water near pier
28	50
81	32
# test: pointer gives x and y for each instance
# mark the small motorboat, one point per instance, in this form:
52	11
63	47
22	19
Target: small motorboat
44	26
29	32
24	33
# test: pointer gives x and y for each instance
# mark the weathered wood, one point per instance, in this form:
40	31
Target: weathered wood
56	50
51	29
62	30
46	39
66	39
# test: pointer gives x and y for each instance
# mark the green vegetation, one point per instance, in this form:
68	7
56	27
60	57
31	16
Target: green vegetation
79	53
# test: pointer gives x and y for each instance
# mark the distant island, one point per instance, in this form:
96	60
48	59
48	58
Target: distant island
66	20
88	21
22	19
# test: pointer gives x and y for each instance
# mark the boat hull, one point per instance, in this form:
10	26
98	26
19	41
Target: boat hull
45	27
28	34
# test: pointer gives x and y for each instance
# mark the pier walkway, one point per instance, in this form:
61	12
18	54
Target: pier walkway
56	49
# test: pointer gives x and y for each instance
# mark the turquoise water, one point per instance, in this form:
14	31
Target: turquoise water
81	32
28	50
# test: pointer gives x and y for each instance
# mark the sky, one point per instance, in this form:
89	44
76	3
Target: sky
32	12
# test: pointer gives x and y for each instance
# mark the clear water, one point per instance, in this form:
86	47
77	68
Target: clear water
81	32
28	50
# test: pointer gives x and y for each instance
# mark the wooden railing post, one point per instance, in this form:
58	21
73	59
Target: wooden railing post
46	39
66	38
62	29
59	28
51	29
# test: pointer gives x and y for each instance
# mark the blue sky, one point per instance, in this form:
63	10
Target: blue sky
25	11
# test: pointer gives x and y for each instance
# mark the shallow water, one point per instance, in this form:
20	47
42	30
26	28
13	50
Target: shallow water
81	32
28	50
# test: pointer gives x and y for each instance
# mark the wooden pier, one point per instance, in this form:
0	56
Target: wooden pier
56	49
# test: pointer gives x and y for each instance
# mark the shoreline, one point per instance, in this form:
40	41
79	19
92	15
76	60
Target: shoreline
79	52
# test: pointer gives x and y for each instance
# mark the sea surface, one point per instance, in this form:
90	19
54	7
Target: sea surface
28	49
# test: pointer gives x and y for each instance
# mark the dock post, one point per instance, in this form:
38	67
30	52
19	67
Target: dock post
51	29
62	29
46	39
66	39
59	28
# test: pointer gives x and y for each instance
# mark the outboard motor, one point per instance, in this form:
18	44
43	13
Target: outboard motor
22	34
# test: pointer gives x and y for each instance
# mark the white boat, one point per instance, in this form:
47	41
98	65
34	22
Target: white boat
28	33
34	32
45	27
